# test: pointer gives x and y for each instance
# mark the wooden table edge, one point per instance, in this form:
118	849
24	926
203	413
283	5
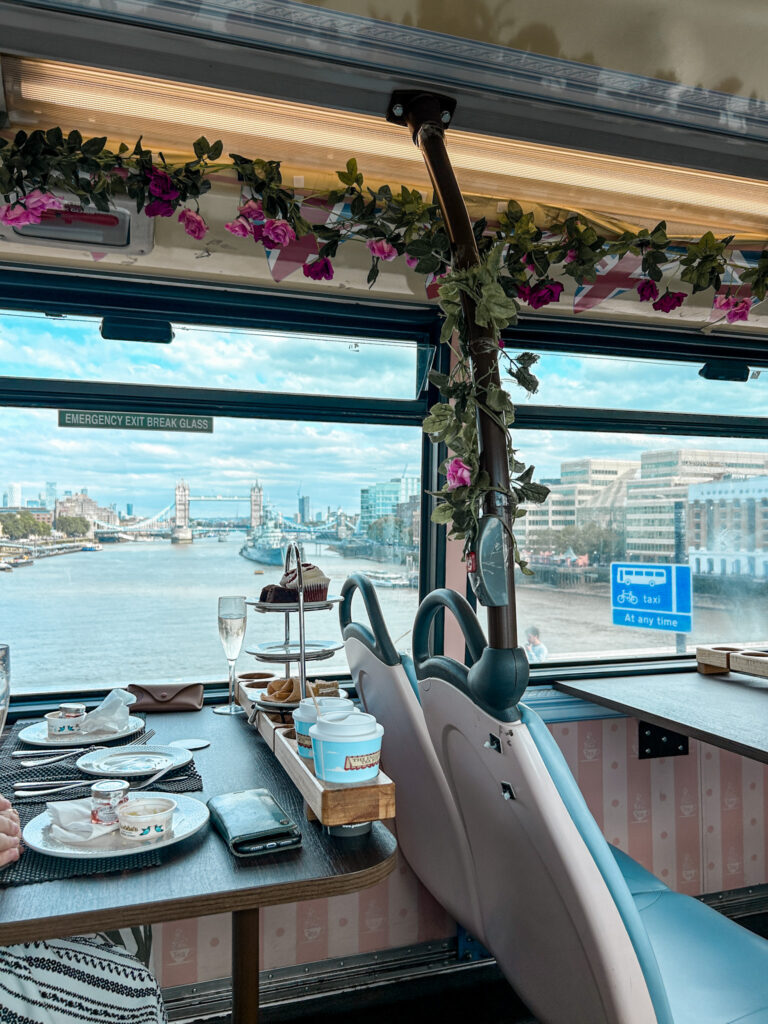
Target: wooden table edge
157	912
646	715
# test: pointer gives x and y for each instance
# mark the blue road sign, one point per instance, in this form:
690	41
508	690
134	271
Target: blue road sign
652	596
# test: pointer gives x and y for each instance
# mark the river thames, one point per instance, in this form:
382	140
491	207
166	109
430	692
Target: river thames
148	611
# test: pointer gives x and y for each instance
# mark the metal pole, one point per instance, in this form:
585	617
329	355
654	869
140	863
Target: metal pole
427	116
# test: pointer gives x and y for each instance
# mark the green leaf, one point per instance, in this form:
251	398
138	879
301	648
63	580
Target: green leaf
93	146
442	513
201	147
440	380
214	152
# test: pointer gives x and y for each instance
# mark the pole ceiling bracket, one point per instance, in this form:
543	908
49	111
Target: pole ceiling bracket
412	108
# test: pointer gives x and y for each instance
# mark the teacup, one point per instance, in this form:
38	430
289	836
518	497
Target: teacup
145	818
305	715
346	747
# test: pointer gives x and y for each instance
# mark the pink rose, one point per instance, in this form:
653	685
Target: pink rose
16	215
159	208
161	186
381	247
277	233
458	473
38	202
120	172
544	293
412	261
570	256
30	210
193	223
319	269
523	292
239	227
739	311
501	343
252	210
724	302
647	290
670	301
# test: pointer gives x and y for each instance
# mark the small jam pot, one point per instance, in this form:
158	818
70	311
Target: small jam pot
58	725
106	798
146	818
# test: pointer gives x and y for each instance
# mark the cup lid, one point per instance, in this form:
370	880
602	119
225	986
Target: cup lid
307	712
346	725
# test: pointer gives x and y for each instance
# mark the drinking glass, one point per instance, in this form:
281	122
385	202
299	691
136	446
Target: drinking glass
5	683
232	632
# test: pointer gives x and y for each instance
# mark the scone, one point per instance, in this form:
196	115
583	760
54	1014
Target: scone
283	691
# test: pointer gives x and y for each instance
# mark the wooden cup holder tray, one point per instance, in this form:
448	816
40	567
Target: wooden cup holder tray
330	803
752	659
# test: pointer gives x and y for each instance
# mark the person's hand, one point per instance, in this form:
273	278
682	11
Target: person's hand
10	833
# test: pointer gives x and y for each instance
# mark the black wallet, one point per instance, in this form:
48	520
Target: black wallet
252	822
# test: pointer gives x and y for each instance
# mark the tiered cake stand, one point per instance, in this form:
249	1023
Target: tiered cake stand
344	810
290	652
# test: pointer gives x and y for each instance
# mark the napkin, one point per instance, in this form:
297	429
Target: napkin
111	715
72	821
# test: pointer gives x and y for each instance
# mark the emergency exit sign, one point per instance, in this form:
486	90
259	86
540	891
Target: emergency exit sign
135	421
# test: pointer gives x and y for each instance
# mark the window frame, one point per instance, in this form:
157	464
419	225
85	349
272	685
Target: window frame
58	293
95	295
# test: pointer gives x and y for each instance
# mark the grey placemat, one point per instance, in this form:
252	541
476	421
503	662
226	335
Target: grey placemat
37	867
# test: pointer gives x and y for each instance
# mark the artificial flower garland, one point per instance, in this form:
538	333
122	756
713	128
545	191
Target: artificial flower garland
516	257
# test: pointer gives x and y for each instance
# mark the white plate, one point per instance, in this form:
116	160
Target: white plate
127	762
37	735
281	652
277	606
189	817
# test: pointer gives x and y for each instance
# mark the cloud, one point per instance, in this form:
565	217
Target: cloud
330	462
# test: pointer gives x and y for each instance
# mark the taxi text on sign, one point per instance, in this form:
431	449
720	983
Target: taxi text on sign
135	421
652	596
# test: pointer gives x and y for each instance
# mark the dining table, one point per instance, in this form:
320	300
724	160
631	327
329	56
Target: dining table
199	876
727	709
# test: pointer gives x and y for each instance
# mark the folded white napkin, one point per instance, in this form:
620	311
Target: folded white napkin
111	715
72	821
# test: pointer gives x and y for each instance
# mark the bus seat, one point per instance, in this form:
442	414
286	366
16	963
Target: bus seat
429	830
583	933
638	879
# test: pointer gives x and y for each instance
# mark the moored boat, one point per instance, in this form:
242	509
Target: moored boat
267	546
18	561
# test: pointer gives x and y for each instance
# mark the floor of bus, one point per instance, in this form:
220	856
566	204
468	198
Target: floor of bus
479	995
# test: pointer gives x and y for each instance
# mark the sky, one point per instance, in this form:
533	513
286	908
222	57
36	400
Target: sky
328	462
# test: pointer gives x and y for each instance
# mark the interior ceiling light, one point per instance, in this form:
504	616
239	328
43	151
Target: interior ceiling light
307	138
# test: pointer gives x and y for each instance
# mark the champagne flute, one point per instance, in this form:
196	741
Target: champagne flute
232	632
5	683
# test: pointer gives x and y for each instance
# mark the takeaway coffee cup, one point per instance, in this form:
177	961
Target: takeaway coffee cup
346	747
306	715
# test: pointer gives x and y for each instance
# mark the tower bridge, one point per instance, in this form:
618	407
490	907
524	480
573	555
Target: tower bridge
174	518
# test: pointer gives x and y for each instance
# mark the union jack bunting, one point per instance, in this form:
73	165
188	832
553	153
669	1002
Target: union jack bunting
290	258
615	276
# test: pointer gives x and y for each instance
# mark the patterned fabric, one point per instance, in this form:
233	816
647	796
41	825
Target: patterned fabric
80	980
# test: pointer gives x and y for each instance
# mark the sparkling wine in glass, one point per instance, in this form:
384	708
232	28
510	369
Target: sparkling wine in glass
232	619
5	683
